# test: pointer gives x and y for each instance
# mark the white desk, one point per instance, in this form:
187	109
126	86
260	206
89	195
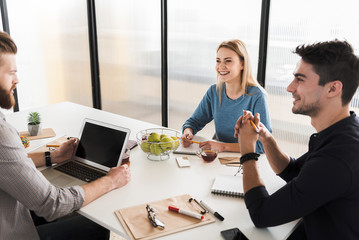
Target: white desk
156	180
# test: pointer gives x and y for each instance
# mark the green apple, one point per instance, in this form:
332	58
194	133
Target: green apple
145	146
163	136
154	137
166	143
176	142
155	149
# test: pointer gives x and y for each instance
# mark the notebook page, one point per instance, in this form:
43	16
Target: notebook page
228	185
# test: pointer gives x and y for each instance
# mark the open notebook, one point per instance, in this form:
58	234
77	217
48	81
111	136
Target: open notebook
193	149
228	185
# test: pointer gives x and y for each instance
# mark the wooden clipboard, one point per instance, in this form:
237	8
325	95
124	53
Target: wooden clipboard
137	225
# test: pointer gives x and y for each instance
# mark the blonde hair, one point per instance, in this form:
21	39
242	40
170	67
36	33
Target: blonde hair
247	78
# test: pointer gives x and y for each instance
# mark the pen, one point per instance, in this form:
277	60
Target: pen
195	142
254	126
52	145
185	212
205	210
216	214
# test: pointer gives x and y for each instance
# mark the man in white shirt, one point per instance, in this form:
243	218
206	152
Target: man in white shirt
24	188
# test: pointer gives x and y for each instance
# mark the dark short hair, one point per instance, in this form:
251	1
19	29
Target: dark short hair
7	45
333	60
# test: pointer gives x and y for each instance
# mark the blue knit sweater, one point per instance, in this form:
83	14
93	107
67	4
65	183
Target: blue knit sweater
226	115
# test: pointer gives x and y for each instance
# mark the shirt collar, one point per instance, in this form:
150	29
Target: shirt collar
2	116
317	138
339	124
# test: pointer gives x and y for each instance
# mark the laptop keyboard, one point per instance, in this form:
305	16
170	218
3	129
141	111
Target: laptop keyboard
80	171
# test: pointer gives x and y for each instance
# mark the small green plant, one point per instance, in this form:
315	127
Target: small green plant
34	118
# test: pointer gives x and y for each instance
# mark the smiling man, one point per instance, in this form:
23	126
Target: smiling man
323	184
8	79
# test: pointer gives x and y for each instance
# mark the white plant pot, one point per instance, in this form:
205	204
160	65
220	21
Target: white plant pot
34	130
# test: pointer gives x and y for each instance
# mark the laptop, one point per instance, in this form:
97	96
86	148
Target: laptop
101	147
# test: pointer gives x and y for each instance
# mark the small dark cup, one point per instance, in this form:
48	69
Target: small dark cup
207	155
126	157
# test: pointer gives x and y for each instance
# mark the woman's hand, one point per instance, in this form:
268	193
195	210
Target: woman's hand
187	137
212	145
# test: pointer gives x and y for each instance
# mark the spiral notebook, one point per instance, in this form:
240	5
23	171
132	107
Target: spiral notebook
228	185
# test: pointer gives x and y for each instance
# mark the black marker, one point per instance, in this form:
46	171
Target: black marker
216	214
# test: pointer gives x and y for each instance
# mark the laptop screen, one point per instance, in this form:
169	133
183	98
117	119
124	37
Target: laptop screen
101	144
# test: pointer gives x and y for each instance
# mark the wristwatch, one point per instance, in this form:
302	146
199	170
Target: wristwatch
249	156
48	159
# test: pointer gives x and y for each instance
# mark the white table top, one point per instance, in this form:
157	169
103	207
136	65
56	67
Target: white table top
156	180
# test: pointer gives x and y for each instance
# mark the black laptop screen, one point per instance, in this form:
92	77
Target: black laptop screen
101	144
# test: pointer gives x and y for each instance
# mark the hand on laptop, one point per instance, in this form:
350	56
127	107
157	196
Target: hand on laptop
65	151
120	176
117	177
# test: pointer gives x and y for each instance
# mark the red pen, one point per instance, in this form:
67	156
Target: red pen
185	212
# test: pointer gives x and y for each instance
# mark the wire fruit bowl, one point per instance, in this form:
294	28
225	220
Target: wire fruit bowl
158	143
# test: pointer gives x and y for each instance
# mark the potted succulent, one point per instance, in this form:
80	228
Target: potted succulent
34	123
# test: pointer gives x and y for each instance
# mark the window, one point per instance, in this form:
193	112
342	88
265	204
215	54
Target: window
129	45
195	31
293	23
53	53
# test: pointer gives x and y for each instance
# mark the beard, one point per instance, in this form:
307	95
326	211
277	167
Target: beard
7	100
309	110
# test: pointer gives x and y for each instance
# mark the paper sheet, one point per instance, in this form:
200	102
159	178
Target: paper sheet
229	161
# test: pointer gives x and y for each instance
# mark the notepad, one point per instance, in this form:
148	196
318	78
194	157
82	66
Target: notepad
193	149
228	185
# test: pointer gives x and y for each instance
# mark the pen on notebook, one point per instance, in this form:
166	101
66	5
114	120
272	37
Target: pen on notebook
216	214
52	145
254	126
194	141
185	212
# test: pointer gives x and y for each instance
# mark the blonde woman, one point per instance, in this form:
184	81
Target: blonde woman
236	90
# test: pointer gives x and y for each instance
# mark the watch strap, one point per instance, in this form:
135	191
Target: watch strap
48	159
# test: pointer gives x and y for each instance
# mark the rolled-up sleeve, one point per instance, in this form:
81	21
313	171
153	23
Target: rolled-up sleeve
26	184
20	179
